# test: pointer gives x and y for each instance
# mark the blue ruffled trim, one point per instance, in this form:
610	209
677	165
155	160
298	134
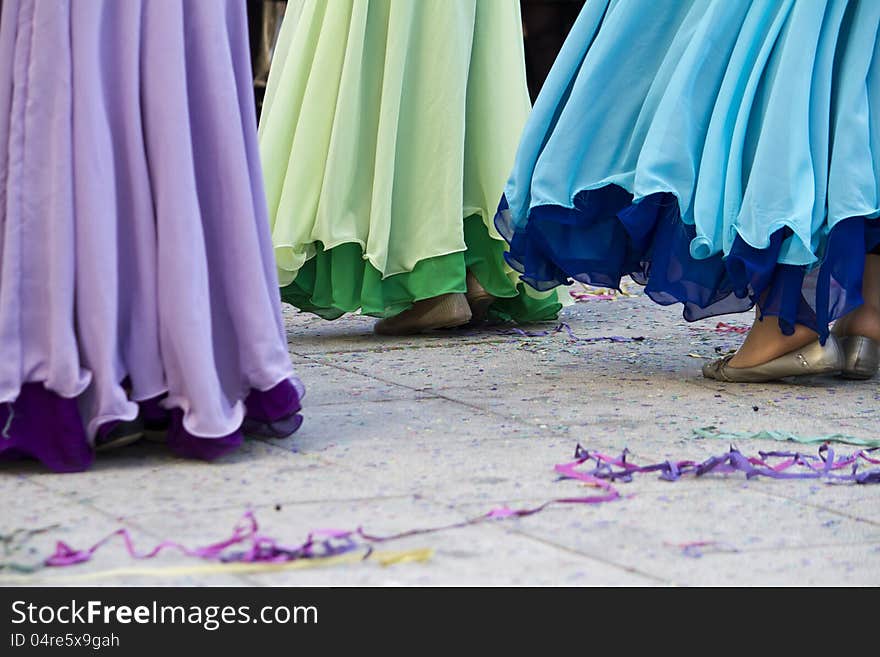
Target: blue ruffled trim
606	236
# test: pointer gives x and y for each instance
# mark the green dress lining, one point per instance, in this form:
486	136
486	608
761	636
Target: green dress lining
340	281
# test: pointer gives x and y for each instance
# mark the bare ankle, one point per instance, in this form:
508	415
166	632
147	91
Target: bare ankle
766	342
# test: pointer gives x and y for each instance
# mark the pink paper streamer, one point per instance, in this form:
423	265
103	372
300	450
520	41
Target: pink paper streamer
722	327
246	535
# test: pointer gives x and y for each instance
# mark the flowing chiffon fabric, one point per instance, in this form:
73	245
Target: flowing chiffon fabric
135	256
722	153
388	130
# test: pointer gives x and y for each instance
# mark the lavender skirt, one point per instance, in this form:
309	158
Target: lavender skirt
136	268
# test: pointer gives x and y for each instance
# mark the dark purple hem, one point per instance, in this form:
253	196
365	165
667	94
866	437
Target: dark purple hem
42	425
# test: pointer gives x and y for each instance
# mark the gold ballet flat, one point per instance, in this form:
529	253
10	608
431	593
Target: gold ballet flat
861	356
813	359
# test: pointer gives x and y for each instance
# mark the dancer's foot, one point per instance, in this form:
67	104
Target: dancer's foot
766	342
863	321
118	433
478	299
859	335
810	360
445	311
768	355
156	419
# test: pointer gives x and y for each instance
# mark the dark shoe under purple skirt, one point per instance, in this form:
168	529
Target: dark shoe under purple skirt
43	425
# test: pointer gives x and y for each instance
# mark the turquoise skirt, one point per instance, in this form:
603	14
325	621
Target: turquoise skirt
722	153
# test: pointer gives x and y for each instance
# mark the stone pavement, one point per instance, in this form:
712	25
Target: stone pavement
426	431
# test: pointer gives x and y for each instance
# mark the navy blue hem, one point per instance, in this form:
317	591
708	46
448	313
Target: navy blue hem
606	236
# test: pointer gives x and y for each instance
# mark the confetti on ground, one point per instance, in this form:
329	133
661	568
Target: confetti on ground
721	327
784	436
571	334
696	549
16	548
589	296
592	469
589	293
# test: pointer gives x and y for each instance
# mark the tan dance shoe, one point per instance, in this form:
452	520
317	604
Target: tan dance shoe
445	311
478	299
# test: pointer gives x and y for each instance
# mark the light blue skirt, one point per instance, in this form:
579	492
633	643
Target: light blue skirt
722	153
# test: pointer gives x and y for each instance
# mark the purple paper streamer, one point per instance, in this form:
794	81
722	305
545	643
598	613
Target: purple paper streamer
820	466
257	547
571	334
594	469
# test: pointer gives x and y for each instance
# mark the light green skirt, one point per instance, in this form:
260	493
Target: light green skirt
388	131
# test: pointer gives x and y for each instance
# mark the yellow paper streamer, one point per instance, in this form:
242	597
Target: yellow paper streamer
391	557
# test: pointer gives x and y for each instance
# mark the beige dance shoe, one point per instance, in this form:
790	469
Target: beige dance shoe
445	311
478	299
